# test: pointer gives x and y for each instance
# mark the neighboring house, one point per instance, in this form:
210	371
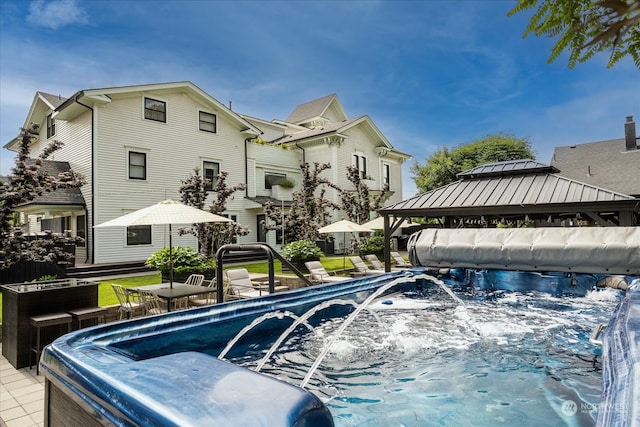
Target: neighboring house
136	144
612	164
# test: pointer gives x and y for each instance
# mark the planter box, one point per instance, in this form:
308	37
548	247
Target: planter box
23	300
282	193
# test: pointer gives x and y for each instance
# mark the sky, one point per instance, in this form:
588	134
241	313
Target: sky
430	73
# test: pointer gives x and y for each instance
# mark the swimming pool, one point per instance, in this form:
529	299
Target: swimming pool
500	357
419	357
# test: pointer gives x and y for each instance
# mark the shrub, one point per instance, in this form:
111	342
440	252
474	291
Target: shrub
286	183
302	250
373	245
185	261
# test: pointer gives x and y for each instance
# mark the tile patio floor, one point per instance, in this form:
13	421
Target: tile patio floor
21	396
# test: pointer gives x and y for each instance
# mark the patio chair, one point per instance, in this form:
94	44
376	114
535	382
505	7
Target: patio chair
374	261
362	268
195	279
205	299
400	262
240	284
152	304
128	307
319	274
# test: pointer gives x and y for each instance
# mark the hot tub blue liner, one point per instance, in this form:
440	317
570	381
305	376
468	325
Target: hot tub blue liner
620	402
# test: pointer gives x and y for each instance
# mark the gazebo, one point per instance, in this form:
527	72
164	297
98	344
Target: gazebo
514	190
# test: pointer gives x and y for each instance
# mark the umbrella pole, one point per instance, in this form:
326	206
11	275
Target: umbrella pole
170	260
344	251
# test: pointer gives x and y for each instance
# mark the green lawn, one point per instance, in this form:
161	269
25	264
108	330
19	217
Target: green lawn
107	297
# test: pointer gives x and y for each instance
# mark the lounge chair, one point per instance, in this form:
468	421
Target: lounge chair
128	308
374	261
240	284
400	262
319	274
361	267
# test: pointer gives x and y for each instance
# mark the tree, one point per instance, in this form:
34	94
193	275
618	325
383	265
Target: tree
308	212
211	237
26	181
442	167
358	204
586	27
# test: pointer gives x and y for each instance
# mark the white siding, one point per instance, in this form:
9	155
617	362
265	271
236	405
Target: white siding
269	159
173	150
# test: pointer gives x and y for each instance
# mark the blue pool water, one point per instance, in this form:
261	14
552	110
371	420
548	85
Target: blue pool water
418	358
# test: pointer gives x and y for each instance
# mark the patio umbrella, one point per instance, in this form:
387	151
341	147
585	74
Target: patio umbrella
344	226
378	223
168	212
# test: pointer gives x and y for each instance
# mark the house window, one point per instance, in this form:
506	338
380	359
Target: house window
234	218
386	173
210	172
139	235
51	126
270	179
207	122
360	162
155	110
137	165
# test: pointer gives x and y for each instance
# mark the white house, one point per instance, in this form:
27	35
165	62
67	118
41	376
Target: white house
136	144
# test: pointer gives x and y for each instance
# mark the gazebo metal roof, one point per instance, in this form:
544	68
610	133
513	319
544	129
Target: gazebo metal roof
519	187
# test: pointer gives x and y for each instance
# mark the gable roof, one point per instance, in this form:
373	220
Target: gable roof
62	197
319	134
92	97
68	108
604	164
317	131
54	101
313	109
510	188
40	107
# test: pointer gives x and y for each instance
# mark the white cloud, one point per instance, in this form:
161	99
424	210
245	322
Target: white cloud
56	14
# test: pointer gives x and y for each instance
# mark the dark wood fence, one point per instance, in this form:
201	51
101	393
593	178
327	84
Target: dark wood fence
26	271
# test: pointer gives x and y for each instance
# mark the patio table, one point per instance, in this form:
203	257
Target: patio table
179	290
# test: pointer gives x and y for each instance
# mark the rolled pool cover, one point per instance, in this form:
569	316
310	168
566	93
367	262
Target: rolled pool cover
605	250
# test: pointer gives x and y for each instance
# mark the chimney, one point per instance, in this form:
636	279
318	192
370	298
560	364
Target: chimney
630	134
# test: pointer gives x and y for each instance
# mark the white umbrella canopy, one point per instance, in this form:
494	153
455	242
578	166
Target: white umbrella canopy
378	223
167	212
344	226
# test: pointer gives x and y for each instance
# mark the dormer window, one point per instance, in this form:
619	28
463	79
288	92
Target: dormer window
51	126
155	110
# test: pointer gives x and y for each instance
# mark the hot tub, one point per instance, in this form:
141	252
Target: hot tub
163	370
